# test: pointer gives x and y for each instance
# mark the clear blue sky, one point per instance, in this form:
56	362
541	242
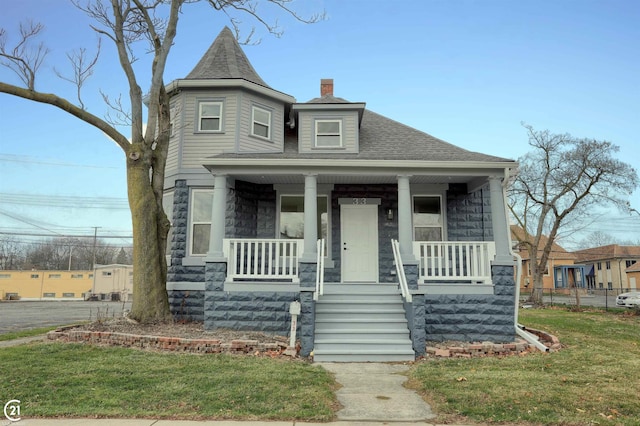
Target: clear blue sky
468	72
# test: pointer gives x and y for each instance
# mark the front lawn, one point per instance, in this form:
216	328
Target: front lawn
594	379
74	380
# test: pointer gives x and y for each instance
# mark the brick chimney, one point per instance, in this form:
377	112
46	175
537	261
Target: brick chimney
326	86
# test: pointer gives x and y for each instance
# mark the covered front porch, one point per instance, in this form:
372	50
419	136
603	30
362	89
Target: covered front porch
392	258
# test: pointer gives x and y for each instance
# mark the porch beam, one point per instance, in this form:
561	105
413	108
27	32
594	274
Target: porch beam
310	218
218	220
499	223
405	234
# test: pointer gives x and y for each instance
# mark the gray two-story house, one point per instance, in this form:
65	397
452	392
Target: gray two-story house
386	236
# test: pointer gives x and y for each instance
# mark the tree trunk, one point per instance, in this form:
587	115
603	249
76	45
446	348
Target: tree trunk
150	300
537	291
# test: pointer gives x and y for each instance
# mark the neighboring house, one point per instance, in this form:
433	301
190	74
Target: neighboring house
633	275
45	285
564	276
607	265
274	201
113	282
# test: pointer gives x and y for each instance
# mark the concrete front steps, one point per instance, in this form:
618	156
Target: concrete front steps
361	322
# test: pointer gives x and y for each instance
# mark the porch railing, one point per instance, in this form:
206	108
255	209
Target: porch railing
402	278
460	261
320	270
263	259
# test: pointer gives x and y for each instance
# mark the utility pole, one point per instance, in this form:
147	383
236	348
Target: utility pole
95	240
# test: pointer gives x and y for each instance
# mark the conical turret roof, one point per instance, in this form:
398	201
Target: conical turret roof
225	60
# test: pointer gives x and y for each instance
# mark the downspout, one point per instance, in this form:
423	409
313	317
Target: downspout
519	328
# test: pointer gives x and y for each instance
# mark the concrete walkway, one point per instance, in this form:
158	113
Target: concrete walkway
374	392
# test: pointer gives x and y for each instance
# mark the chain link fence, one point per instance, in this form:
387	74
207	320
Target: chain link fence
598	298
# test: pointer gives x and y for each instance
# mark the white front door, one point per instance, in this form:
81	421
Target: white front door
359	245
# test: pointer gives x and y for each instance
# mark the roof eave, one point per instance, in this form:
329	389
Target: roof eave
176	85
397	166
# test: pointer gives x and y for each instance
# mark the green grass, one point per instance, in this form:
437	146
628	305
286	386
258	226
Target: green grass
594	379
25	333
73	380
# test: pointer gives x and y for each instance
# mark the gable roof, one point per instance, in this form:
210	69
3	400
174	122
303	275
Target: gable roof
633	268
611	251
557	251
225	60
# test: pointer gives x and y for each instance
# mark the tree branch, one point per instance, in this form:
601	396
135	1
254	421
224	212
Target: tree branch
63	104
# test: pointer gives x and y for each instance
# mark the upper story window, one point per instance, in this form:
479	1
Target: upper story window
210	116
428	222
328	134
261	122
200	216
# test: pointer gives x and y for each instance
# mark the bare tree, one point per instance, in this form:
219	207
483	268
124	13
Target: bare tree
11	254
557	185
126	23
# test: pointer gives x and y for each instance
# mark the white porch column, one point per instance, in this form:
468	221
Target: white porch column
310	218
405	209
499	222
218	219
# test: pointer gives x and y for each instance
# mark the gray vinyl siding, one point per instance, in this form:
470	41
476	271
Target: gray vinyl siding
197	146
306	130
173	155
249	143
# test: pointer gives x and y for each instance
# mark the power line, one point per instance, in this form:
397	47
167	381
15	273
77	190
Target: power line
63	236
65	201
12	158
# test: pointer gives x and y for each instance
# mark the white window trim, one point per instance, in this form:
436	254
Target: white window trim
254	121
192	222
443	214
339	134
202	102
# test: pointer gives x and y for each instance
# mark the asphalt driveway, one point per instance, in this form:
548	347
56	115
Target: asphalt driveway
26	315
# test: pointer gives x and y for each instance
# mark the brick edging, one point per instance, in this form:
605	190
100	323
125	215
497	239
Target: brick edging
174	344
482	349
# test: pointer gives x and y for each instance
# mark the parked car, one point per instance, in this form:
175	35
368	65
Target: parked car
628	300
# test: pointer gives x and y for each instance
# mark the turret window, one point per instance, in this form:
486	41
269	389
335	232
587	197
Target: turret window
210	116
261	123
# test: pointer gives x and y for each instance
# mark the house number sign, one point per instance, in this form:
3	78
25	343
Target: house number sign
360	201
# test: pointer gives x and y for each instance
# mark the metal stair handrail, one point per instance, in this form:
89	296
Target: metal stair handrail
320	270
402	278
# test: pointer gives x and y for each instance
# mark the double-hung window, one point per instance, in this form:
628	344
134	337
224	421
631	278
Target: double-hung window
428	222
200	227
210	116
328	134
261	122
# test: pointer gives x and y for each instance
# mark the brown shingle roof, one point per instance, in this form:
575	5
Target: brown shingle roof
611	251
557	252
